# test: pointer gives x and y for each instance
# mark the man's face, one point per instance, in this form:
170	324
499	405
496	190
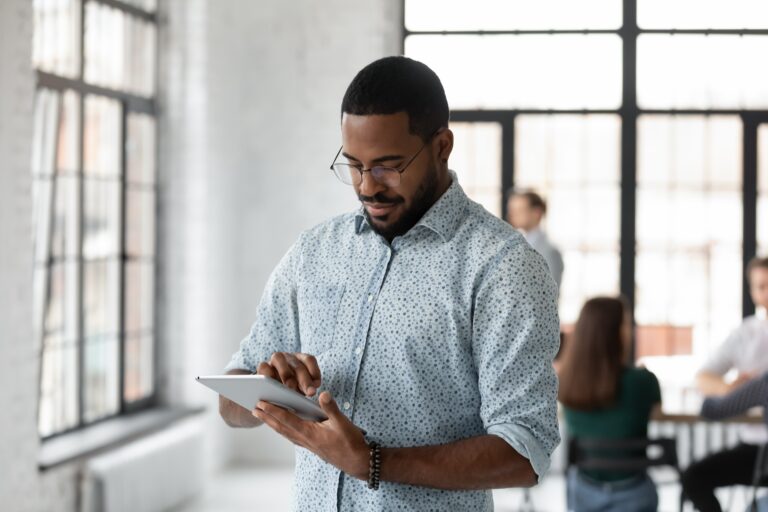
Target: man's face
385	140
758	286
521	215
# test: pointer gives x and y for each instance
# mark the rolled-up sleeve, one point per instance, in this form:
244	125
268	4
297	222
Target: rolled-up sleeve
516	334
276	326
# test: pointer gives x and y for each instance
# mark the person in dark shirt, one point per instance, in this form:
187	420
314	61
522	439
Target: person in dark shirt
604	397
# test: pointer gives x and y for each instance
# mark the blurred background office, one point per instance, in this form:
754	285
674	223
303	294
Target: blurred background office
157	158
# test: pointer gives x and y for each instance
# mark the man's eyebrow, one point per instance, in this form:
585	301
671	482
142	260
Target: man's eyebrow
385	158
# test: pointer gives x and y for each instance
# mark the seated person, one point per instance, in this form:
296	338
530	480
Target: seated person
746	351
604	397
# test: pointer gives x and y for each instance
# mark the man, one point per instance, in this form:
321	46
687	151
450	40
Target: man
419	319
525	211
746	351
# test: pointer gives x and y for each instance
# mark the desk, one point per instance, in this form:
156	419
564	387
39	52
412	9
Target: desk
683	419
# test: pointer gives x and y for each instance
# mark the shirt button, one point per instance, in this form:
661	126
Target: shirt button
347	405
358	350
370	297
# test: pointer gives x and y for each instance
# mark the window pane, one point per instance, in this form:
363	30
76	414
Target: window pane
140	149
57	408
140	222
139	297
531	71
574	162
101	298
45	133
506	15
68	146
702	14
102	137
119	50
101	222
102	376
65	232
476	159
689	222
56	41
61	303
692	71
139	370
762	190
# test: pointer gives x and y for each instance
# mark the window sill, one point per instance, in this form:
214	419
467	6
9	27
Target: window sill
108	434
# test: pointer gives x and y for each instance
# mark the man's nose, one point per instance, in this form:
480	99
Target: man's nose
369	186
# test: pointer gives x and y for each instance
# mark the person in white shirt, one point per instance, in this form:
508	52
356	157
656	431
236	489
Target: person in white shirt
525	211
746	352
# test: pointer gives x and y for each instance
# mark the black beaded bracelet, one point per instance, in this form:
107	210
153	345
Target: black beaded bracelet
374	465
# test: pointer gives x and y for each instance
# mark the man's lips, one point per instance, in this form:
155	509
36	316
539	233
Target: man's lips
379	209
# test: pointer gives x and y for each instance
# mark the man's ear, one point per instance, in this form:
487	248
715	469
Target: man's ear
444	145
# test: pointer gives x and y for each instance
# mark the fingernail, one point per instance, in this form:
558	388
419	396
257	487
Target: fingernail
311	390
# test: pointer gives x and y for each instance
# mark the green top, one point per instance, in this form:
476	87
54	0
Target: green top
627	418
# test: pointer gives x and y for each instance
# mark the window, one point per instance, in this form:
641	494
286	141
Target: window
762	190
689	225
94	193
573	161
636	121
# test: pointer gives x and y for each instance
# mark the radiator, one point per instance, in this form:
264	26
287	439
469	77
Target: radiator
153	474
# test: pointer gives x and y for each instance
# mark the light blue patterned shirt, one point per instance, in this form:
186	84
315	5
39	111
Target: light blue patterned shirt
447	333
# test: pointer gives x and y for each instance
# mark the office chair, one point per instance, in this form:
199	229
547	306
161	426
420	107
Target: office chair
593	454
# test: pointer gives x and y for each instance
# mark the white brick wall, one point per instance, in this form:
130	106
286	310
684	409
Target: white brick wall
250	95
251	101
22	487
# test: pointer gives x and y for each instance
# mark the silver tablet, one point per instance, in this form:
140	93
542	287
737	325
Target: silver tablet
248	390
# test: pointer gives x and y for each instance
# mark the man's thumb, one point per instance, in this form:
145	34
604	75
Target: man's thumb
329	406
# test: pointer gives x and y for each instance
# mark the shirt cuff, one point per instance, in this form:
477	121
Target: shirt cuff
521	439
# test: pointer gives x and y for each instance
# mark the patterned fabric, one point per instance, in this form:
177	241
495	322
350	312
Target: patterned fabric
540	241
751	394
746	351
447	333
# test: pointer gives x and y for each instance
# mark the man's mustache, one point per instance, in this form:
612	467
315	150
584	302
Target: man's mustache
379	199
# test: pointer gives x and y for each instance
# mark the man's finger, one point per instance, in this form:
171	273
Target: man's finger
267	370
311	363
284	416
329	406
279	427
285	370
306	383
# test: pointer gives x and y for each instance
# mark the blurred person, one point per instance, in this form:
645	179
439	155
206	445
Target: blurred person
746	352
420	318
525	211
604	397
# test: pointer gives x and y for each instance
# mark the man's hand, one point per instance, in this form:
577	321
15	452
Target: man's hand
741	379
299	372
336	440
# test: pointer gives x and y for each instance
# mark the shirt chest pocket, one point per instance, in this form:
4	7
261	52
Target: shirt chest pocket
318	315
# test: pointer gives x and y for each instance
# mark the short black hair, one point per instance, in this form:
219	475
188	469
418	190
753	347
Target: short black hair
534	199
399	84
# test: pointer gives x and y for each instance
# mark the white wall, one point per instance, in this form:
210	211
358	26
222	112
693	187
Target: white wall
249	105
22	487
250	98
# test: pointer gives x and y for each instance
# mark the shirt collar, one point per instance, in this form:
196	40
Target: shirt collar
443	217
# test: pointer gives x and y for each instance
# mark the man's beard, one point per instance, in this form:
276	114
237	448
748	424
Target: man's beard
425	197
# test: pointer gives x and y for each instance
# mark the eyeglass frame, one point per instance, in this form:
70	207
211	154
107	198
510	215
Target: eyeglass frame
399	171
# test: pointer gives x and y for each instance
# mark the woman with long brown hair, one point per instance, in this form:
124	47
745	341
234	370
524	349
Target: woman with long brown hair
604	397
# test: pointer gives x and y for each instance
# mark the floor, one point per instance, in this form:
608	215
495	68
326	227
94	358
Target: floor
241	489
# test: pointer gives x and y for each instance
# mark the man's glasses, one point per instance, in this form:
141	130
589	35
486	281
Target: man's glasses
352	174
